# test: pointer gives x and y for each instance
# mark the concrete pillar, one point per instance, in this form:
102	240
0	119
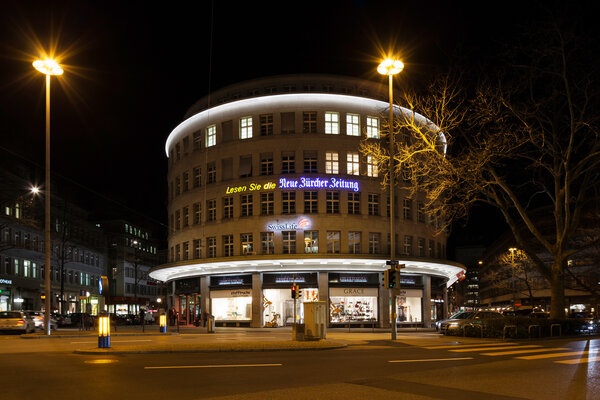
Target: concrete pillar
257	301
426	301
445	307
323	282
384	306
204	295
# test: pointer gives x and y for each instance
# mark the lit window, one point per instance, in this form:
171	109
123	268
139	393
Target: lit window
247	242
372	169
211	136
311	241
332	164
352	124
352	163
373	127
246	128
332	123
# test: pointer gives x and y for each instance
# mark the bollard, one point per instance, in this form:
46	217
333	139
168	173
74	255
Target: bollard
162	323
104	332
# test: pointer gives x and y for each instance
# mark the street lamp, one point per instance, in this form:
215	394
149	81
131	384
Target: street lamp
512	265
47	67
390	68
135	282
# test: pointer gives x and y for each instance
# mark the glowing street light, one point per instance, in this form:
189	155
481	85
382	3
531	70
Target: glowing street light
390	68
47	67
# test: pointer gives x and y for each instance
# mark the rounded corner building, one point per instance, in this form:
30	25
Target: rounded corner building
267	187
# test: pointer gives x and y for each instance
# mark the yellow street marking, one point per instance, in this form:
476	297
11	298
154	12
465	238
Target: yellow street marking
214	366
468	345
540	356
494	348
506	353
579	361
432	359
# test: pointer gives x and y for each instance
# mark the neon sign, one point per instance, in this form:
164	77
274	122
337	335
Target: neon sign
318	183
289	226
252	187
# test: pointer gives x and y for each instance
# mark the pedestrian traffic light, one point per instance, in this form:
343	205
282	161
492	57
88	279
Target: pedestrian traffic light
392	278
294	291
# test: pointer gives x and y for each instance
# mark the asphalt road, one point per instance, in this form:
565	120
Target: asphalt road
417	366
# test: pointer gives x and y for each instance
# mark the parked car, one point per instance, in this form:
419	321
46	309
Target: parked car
479	318
62	319
442	325
81	320
539	314
16	321
38	319
588	321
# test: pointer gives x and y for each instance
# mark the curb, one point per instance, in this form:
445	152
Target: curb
251	347
95	334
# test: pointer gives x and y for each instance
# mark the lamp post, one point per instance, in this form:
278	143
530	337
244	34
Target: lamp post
390	68
512	265
135	282
47	67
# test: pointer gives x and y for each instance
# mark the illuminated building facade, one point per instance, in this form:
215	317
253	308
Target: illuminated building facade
267	186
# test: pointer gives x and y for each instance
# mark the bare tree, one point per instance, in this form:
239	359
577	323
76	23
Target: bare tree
526	143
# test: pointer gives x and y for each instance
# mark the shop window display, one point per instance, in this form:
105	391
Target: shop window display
278	306
408	306
232	308
353	309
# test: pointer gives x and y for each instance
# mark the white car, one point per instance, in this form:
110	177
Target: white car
38	319
16	321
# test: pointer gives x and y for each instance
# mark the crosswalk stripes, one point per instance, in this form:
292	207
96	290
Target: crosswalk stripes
524	352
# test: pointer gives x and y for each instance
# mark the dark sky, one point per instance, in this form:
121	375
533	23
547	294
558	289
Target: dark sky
133	68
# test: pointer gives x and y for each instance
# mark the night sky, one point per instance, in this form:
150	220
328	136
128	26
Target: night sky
132	69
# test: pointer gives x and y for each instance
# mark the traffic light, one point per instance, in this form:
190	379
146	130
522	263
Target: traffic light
294	291
392	278
386	278
299	291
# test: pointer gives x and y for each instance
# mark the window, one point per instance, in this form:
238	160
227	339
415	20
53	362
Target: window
332	163
373	127
309	122
372	170
332	202
247	244
197	250
288	163
212	172
246	205
266	241
177	222
245	128
421	247
310	162
186	145
186	181
289	242
288	201
266	203
177	186
408	242
177	252
354	242
374	241
211	207
186	216
332	123
352	124
197	140
211	246
186	250
431	249
353	203
197	210
333	242
211	135
227	207
310	202
227	245
352	163
288	122
420	212
311	241
407	209
197	171
245	168
266	164
266	124
178	151
373	203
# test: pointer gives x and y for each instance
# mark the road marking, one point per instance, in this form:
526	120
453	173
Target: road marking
468	345
540	356
494	348
116	341
579	361
431	359
215	366
101	361
506	353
